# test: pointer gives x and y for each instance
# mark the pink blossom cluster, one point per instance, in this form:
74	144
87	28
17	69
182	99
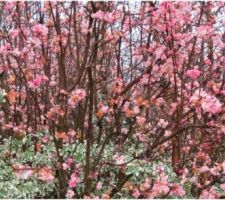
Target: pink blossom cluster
193	73
70	194
104	109
76	96
177	190
145	79
136	193
162	186
40	30
119	159
140	120
207	102
37	82
14	33
162	123
74	180
68	163
54	111
211	104
99	186
45	174
209	194
108	17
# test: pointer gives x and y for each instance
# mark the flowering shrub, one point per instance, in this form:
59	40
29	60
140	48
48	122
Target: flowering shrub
112	99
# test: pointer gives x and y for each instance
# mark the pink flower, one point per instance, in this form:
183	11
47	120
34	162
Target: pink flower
207	61
162	123
168	133
193	73
119	159
177	190
136	110
104	109
215	170
74	180
69	161
9	5
160	169
40	30
76	96
208	102
140	136
35	83
161	186
99	186
84	27
108	17
45	139
222	186
211	194
223	166
65	166
136	193
14	33
52	83
211	104
140	120
45	174
145	79
70	194
98	15
72	183
204	169
159	52
71	133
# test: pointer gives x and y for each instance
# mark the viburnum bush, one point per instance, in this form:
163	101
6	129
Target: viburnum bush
112	99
